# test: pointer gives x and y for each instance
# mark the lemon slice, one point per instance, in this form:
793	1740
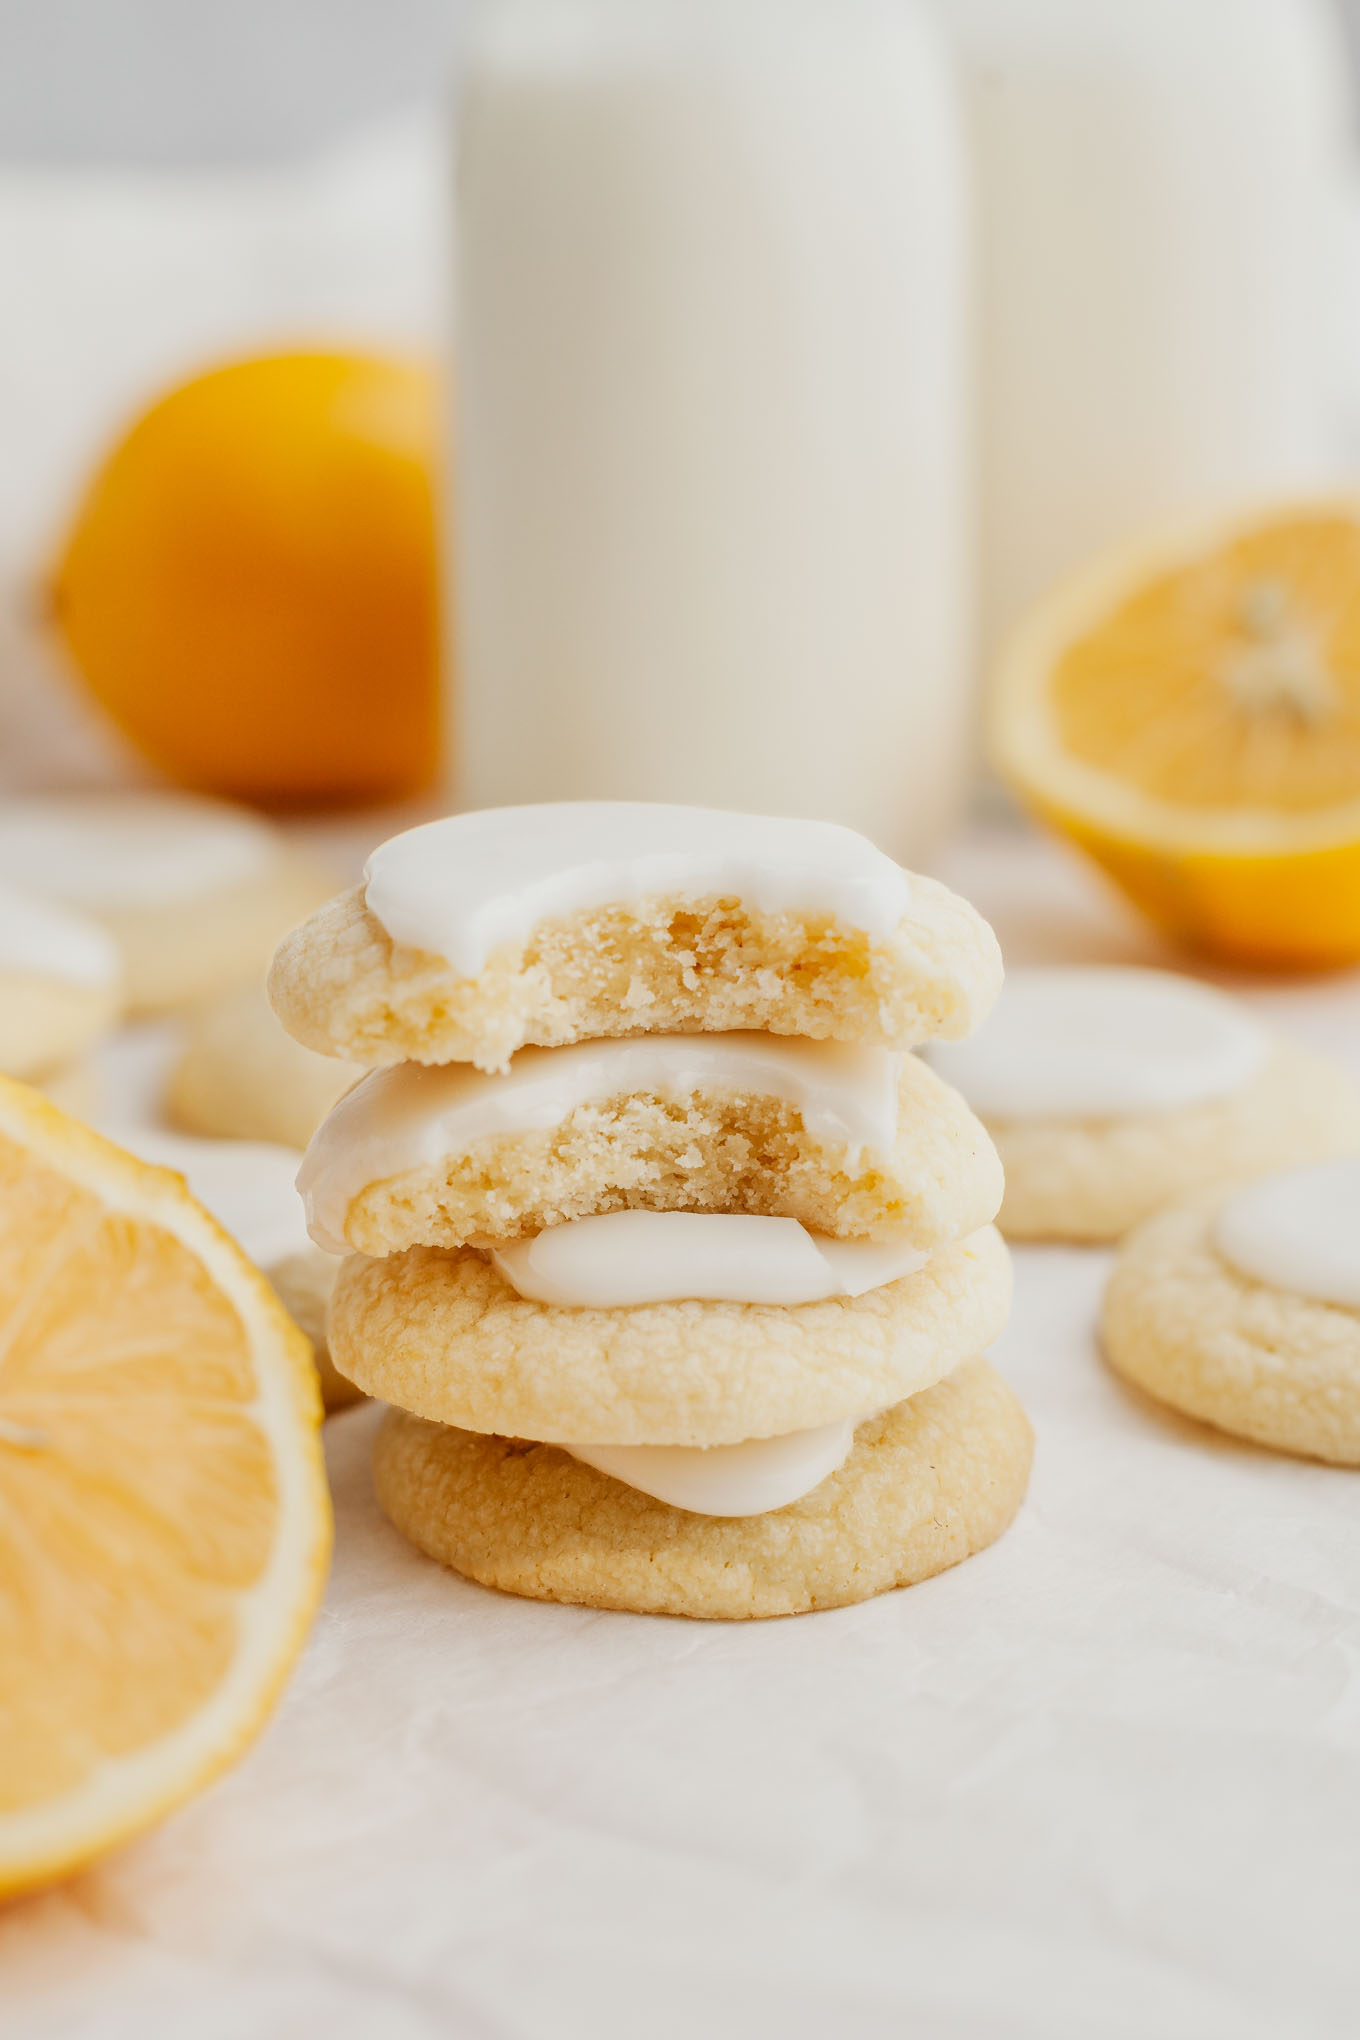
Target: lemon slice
1190	715
164	1523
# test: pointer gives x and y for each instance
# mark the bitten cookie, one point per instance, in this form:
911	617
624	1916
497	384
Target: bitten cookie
241	1077
1110	1093
927	1484
1187	1319
194	893
855	1143
442	1334
475	935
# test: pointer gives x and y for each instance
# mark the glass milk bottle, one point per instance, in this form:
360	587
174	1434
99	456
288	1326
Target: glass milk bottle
1158	196
712	386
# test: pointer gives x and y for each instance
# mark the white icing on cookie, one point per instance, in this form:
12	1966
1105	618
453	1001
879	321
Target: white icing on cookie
39	939
1102	1043
727	1480
623	1258
414	1115
462	887
129	850
247	1186
1298	1230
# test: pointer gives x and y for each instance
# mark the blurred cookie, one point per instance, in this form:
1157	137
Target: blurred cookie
1111	1092
444	1335
59	985
481	933
241	1077
195	893
1244	1311
927	1483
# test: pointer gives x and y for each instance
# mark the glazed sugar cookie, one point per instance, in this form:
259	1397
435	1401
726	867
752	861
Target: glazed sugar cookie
444	1335
850	1141
240	1077
478	934
1110	1093
927	1484
248	1187
194	893
59	985
1188	1322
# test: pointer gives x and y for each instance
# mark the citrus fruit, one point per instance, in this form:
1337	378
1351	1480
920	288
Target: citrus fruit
164	1523
249	585
1189	714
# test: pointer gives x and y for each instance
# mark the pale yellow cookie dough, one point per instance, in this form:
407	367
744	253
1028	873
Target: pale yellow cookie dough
303	1284
241	1077
1183	1323
714	1151
928	1483
442	1334
342	987
47	1023
1092	1179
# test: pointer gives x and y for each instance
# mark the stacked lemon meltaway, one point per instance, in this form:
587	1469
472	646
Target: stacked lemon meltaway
673	1264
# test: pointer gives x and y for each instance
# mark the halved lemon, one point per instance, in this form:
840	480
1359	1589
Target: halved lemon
1189	714
164	1522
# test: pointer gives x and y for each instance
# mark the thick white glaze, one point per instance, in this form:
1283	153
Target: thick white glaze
413	1116
247	1186
1101	1043
1298	1230
462	887
39	939
623	1258
129	850
727	1480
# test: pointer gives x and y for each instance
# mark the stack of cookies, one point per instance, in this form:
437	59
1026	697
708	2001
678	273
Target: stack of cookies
674	1265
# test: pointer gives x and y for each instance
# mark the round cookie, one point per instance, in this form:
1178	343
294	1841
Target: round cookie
442	1334
303	1283
195	893
59	985
928	1483
1269	1364
1091	1180
478	934
1110	1092
698	1147
241	1077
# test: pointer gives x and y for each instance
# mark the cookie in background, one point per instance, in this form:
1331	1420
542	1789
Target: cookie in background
60	992
194	893
1110	1092
1244	1311
239	1076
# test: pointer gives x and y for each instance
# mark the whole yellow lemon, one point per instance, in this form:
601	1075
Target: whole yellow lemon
250	585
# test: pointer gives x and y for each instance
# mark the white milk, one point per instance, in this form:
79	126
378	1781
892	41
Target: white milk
712	378
1159	185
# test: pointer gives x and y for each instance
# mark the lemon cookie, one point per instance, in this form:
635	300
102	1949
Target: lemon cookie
241	1077
59	985
851	1141
195	894
1244	1311
927	1484
444	1334
1111	1092
476	935
249	1189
